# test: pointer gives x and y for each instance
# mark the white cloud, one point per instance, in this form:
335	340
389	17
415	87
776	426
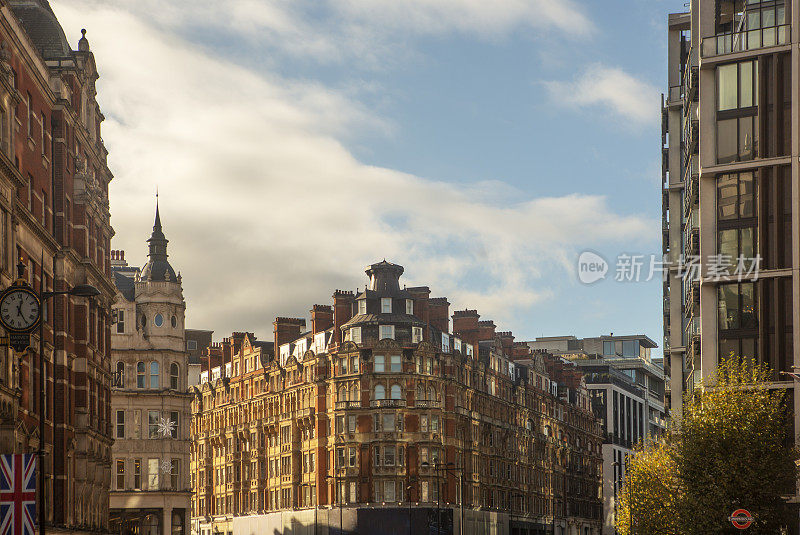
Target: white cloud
370	30
611	88
267	212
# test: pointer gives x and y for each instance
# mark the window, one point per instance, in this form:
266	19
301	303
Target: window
362	306
140	376
173	376
380	392
386	331
152	474
396	364
191	345
416	335
353	364
377	455
120	321
152	424
608	348
351	456
380	364
340	458
423	423
386	305
351	423
174	473
120	474
445	342
630	348
340	424
120	424
137	474
737	111
158	320
388	455
736	201
355	334
388	491
173	418
388	422
119	380
343	366
154	374
173	321
737	307
396	392
44	128
30	116
410	307
423	490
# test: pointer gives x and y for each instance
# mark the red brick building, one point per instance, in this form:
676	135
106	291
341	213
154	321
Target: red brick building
54	206
381	419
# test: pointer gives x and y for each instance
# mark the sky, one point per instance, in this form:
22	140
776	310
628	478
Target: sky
481	145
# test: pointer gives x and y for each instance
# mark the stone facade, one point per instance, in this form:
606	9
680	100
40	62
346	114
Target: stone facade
379	416
150	401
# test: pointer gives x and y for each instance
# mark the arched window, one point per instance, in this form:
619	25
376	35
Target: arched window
431	394
355	395
119	380
342	394
140	375
396	392
420	392
154	374
173	376
380	392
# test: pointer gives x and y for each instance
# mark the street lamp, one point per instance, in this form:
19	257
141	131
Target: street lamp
81	290
437	466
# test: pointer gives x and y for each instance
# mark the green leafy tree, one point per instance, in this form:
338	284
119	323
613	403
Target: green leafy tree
732	449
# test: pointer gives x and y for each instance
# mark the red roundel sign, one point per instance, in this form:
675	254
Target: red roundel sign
741	519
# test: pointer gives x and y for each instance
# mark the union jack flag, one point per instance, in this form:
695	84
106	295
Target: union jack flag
18	494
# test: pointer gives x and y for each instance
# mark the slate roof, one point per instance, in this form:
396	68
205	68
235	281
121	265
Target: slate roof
125	285
383	318
42	27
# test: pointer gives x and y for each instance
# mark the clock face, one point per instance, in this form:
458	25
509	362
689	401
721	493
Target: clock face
19	310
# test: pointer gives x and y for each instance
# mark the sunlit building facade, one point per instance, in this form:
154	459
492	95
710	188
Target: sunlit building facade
380	415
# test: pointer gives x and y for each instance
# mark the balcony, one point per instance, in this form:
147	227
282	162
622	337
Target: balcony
387	403
728	43
428	404
347	405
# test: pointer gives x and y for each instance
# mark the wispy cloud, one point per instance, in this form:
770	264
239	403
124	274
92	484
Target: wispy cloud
372	30
266	210
609	88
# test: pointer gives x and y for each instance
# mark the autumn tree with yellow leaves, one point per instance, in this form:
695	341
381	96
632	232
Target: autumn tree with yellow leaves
732	449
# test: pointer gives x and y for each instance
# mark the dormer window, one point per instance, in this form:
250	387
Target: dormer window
362	306
386	305
409	307
386	331
416	335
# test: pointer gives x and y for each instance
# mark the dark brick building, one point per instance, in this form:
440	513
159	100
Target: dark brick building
54	216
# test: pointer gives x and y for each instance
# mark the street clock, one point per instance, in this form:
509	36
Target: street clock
20	309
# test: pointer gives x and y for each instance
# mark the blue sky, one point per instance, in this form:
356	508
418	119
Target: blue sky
481	145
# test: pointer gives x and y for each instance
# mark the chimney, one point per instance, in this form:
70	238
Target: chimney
342	312
286	330
465	325
439	310
321	318
486	330
507	341
420	295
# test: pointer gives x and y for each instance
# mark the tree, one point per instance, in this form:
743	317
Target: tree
649	502
733	449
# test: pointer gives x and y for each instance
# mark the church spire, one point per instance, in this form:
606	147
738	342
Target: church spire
157	242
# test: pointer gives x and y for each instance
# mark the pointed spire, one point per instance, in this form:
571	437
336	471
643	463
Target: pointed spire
158	242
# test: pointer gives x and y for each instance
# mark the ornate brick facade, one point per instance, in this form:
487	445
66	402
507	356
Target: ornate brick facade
378	405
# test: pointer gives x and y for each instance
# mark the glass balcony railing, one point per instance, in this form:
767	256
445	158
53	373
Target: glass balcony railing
727	43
